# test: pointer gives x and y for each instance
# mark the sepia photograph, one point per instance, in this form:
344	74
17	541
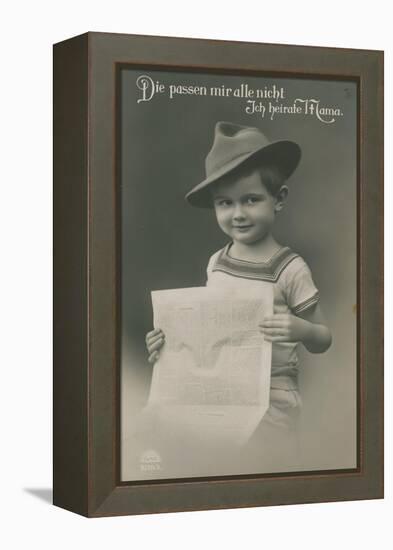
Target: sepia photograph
237	196
224	303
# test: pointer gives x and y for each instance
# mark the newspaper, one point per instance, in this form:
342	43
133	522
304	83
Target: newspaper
212	378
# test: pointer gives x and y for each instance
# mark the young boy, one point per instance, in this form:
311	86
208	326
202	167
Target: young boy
245	184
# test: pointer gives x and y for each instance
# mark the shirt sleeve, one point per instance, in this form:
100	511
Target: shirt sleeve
209	268
302	293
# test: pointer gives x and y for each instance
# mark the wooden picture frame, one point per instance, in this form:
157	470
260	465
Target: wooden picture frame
87	265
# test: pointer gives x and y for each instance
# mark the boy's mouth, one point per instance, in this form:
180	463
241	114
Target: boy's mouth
241	227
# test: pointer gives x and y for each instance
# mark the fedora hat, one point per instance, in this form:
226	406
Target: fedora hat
234	145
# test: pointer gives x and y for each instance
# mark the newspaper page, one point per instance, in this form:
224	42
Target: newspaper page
212	378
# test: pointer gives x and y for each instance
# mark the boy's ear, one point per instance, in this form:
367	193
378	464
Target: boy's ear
281	198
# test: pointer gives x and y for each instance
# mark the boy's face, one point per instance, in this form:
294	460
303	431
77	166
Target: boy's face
244	208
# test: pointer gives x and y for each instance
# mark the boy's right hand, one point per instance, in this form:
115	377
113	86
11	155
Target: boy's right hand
155	339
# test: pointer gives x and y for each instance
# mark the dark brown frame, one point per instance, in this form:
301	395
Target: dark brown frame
86	253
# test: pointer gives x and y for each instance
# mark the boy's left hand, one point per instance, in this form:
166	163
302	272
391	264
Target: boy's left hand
284	327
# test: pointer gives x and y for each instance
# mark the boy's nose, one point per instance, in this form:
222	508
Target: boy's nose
238	213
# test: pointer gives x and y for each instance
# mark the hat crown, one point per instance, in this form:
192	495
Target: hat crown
232	141
234	145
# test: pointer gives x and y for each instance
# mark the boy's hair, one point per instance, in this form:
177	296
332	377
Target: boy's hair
270	176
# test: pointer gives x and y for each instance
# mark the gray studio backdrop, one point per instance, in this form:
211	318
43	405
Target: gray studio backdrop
166	243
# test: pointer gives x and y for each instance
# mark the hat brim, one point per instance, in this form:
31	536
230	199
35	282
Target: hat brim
284	154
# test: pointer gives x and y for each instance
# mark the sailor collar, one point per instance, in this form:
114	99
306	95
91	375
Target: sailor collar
269	270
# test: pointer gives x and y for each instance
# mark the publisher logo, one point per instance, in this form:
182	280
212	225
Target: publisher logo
150	461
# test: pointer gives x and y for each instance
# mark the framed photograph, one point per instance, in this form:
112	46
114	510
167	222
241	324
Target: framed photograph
218	274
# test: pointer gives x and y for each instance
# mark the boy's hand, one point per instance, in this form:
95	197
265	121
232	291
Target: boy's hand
154	342
284	327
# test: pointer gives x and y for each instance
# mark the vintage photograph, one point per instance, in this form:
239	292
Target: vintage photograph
237	199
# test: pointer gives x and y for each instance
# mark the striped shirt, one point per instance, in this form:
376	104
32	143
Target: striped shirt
293	290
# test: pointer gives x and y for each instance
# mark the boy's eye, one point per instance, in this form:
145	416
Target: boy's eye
252	200
223	202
